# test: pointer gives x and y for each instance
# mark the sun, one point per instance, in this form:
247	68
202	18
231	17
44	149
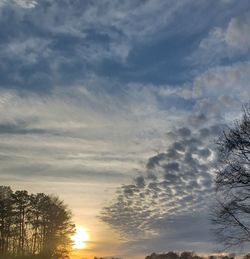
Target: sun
79	238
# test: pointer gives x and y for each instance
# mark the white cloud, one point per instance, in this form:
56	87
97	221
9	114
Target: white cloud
228	41
22	3
26	3
220	90
237	33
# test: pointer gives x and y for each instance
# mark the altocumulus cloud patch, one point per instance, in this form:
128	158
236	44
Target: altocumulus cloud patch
177	182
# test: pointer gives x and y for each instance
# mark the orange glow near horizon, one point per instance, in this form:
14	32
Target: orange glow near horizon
80	238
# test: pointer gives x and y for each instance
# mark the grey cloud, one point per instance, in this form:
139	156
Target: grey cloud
193	235
54	37
204	132
179	146
207	182
50	37
184	132
181	184
129	189
217	129
172	178
43	42
197	120
39	172
140	182
174	166
172	152
153	161
204	152
20	127
151	176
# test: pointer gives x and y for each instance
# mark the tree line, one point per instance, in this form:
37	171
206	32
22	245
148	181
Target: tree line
190	255
33	225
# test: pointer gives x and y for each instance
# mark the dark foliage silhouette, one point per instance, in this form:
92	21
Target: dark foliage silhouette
187	255
33	225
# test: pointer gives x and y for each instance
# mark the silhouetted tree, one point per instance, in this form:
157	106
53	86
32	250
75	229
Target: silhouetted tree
247	256
232	212
20	208
187	254
57	227
172	255
33	225
5	218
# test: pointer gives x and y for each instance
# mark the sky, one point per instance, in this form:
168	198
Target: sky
115	106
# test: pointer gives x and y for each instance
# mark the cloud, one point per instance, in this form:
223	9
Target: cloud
79	129
63	35
122	93
181	186
184	233
93	133
237	32
178	180
219	89
61	42
21	3
96	134
230	41
19	128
